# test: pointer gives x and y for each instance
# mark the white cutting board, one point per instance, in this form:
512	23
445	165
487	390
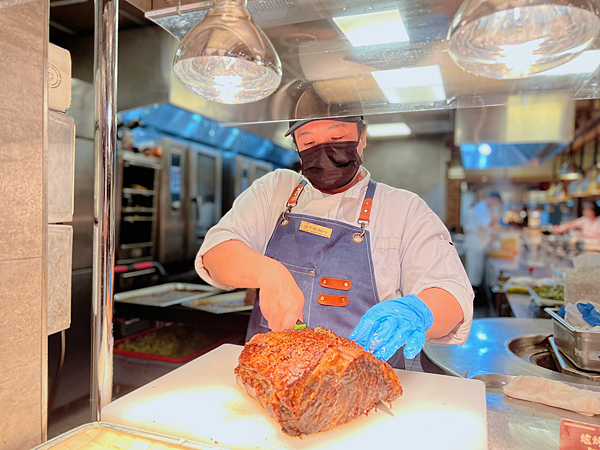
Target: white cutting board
202	402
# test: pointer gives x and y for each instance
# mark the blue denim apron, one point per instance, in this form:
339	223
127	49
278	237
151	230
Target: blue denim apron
332	265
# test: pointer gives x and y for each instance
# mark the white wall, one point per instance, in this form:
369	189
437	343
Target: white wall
417	165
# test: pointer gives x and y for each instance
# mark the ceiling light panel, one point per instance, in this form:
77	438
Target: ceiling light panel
412	84
388	130
384	27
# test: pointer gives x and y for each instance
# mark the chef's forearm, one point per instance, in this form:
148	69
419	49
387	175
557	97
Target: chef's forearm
234	263
447	312
573	224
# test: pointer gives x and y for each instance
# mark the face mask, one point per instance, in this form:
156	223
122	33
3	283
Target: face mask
331	165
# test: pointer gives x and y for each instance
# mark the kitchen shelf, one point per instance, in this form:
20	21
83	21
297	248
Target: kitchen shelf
559	199
132	219
132	191
133	209
136	245
133	260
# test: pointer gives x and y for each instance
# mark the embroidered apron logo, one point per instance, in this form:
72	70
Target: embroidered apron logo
315	229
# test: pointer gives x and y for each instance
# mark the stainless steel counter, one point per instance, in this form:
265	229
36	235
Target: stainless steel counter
540	263
486	351
512	424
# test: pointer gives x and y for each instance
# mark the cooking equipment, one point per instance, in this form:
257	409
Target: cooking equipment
136	188
222	303
202	402
168	294
174	210
564	365
205	171
581	347
239	173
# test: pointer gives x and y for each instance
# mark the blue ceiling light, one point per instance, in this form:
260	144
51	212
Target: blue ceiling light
484	149
495	155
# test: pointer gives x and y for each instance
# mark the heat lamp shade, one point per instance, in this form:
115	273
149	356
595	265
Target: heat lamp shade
226	58
518	38
568	171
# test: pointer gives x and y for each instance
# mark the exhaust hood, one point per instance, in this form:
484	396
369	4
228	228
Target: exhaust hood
517	132
330	69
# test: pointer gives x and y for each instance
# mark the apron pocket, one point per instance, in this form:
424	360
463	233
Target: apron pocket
386	262
305	279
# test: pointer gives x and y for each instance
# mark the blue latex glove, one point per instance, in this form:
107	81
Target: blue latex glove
589	313
389	325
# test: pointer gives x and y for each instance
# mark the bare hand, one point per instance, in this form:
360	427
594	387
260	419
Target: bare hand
281	300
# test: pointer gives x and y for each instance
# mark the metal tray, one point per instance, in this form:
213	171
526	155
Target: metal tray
565	365
166	294
541	301
88	436
581	347
221	303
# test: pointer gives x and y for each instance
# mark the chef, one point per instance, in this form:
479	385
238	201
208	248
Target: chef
479	235
331	247
588	225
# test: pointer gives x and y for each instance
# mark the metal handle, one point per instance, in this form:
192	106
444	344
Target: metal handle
558	359
105	127
199	203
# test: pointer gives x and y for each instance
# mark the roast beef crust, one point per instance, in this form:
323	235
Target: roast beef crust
312	380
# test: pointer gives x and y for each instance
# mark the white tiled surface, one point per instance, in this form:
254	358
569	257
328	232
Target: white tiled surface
59	78
60	257
20	353
61	167
23	42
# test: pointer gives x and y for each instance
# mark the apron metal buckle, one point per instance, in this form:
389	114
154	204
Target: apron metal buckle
284	219
359	237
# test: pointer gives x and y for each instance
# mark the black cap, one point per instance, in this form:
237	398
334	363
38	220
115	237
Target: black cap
295	124
495	194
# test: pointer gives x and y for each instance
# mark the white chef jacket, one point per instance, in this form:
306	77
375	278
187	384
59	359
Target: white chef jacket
479	219
410	245
589	228
478	230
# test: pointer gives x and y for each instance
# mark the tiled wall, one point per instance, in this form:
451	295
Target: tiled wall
454	197
23	43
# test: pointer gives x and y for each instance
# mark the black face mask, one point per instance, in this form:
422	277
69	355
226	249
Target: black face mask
331	165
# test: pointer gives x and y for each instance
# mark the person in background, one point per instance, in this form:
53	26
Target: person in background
588	224
479	231
330	247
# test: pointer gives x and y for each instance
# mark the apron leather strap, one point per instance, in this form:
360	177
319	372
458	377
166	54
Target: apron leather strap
293	201
365	210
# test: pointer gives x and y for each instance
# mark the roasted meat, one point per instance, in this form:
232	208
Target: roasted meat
313	380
